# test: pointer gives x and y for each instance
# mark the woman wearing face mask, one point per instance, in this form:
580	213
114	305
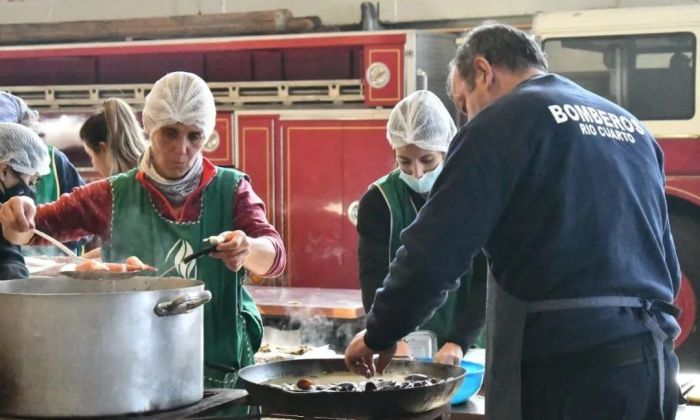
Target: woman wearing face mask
23	158
62	176
420	131
113	138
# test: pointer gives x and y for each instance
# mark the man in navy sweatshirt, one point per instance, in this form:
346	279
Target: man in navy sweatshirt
564	191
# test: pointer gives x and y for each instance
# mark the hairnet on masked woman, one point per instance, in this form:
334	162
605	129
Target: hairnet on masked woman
23	150
180	97
422	120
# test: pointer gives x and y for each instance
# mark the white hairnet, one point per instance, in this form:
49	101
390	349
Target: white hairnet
180	97
23	150
420	119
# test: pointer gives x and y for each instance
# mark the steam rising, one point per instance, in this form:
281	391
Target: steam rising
305	327
62	131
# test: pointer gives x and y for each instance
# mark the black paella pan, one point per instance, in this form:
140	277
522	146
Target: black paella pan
258	381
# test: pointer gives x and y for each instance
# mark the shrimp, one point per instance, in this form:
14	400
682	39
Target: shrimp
134	263
92	265
131	264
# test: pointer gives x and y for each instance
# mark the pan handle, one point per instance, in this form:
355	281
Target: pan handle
182	304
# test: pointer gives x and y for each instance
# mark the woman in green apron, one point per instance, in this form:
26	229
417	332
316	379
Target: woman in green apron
419	131
165	208
114	141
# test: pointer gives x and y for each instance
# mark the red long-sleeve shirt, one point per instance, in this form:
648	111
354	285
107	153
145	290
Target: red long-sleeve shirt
88	211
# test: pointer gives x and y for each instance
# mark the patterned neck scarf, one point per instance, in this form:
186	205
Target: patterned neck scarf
177	190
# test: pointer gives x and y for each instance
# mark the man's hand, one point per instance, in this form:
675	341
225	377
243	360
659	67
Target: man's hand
360	359
17	219
449	354
234	250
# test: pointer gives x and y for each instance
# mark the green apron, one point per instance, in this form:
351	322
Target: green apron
232	323
47	187
403	211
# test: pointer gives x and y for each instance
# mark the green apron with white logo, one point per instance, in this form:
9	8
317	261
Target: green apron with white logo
232	323
403	211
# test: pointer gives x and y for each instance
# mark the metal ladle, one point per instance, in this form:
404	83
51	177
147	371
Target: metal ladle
55	242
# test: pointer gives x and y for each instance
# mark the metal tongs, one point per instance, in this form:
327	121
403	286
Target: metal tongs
55	242
685	389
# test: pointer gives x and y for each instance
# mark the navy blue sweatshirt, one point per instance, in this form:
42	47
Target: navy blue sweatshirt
564	190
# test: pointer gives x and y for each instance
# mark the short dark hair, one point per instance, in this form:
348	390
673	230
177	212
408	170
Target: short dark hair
502	46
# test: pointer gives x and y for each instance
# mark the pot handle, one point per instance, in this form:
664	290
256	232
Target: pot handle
182	304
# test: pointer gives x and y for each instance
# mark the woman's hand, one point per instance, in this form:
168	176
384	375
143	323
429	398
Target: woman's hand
449	354
234	250
17	219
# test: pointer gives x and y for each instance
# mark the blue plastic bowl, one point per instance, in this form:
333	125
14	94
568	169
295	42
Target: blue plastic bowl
471	383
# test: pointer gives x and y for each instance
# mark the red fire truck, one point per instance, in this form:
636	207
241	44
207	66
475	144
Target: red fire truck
645	60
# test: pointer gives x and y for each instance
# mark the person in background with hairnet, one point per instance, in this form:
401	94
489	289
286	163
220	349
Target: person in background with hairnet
419	130
62	176
165	209
23	158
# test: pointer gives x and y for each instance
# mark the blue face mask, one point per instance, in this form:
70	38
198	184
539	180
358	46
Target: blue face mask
425	183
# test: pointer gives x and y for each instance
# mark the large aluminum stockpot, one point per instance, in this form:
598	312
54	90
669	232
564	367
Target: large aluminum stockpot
71	347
